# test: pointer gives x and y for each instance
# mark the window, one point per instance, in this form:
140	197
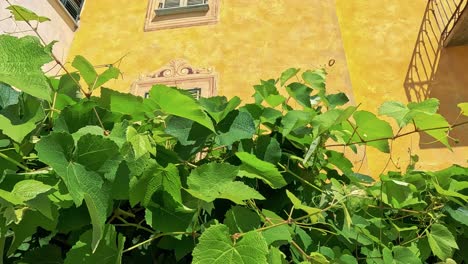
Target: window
73	8
165	14
199	82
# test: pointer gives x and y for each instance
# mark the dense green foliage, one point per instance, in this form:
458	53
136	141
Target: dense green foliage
169	179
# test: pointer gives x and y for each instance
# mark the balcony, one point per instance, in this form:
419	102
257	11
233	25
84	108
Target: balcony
456	29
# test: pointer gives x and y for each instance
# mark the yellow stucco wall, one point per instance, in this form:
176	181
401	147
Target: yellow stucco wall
259	39
253	40
379	37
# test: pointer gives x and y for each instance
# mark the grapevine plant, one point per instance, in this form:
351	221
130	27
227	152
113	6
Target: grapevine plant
117	178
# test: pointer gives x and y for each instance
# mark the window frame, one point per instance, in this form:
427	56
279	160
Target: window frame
175	73
178	17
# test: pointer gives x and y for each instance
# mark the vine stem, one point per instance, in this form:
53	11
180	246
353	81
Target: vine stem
14	162
299	178
153	238
398	136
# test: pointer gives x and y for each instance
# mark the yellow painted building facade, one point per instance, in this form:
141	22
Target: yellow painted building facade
370	42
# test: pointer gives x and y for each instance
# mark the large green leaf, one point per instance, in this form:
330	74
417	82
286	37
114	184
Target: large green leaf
300	92
404	255
21	60
169	100
162	182
218	106
217	247
28	225
288	74
252	167
23	14
315	78
123	103
216	180
8	96
441	241
372	129
168	219
396	110
234	127
108	252
86	70
295	119
83	170
110	73
315	214
240	220
460	214
464	108
17	121
428	122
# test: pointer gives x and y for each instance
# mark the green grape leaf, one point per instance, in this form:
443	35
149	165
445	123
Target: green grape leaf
337	99
241	220
110	73
30	189
460	214
216	180
123	103
164	182
315	78
23	14
234	127
428	106
28	226
396	110
277	235
268	149
295	119
218	107
464	108
339	160
275	256
169	100
252	167
441	241
82	169
86	69
425	121
300	92
167	219
141	143
288	74
404	255
8	96
369	128
17	121
217	247
21	60
315	214
108	252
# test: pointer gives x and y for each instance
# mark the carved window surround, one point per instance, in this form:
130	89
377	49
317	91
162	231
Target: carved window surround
153	22
178	73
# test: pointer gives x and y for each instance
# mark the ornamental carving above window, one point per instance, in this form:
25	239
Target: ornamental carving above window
166	14
179	73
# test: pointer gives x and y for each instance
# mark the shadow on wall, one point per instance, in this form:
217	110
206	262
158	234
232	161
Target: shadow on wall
439	72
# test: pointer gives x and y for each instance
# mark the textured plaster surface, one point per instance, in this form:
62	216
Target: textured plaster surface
254	40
